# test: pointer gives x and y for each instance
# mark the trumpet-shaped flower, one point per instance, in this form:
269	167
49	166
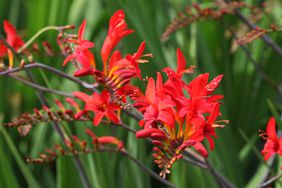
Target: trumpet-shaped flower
273	143
117	30
81	53
100	104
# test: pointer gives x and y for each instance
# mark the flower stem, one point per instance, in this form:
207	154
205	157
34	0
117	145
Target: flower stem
36	35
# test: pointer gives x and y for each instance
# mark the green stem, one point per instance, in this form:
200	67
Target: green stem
48	28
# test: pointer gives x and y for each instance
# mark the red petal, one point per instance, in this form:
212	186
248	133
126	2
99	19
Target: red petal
147	132
214	84
211	142
158	136
112	116
271	129
159	82
157	143
3	49
181	63
81	30
84	72
110	140
70	57
98	118
139	51
116	56
166	103
72	102
12	38
214	114
201	149
151	91
117	30
82	96
141	123
90	133
185	145
268	155
167	118
198	85
10	30
116	17
85	44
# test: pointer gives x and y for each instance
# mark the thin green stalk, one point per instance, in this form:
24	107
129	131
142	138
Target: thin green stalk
36	35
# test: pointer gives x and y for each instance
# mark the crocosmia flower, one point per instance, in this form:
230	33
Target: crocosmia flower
81	53
118	70
100	104
273	143
175	120
13	39
117	30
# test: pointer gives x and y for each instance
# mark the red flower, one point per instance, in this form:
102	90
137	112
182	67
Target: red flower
82	54
117	30
100	104
273	144
119	70
173	120
122	70
208	127
200	101
158	107
13	39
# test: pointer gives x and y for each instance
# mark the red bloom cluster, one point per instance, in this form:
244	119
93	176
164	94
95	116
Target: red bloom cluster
273	143
117	70
177	115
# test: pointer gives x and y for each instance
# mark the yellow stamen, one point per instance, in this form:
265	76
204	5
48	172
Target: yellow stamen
11	59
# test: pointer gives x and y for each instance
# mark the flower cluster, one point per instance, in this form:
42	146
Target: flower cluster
117	70
273	143
176	114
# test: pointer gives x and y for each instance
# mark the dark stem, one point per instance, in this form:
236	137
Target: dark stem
194	162
146	169
251	25
39	87
270	181
53	70
121	124
221	180
258	67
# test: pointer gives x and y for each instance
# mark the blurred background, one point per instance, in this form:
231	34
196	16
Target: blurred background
249	99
